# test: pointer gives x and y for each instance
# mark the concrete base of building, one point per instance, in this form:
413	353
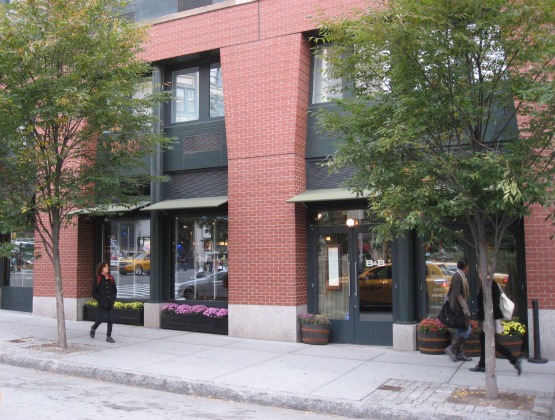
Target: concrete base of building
264	322
546	323
404	337
46	307
152	314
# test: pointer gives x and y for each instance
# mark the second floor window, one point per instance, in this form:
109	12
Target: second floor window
197	93
324	88
186	100
216	91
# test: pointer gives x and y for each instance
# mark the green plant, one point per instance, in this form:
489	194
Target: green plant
431	325
513	328
313	319
135	306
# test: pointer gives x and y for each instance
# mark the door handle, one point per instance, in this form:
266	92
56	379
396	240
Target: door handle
354	268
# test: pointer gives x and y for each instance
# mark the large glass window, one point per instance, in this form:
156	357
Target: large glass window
201	258
186	91
324	87
442	255
197	93
216	91
129	243
22	259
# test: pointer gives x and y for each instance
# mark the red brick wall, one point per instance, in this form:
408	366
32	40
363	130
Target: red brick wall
266	105
77	260
203	32
240	24
540	259
278	17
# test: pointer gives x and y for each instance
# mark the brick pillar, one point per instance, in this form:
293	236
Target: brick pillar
77	261
540	264
266	105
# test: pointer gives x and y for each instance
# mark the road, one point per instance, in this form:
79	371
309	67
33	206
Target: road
31	394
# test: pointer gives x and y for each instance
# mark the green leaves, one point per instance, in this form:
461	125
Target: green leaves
441	142
69	72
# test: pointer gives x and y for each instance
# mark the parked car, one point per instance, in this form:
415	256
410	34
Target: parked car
211	287
375	284
138	264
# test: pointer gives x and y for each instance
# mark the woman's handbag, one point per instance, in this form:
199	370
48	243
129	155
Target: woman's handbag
506	305
452	319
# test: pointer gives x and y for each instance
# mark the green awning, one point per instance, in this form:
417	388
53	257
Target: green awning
328	194
188	203
111	208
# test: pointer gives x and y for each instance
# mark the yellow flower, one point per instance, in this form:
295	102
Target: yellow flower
513	328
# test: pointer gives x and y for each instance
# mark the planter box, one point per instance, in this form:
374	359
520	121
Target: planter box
315	333
513	343
472	345
433	343
121	316
200	324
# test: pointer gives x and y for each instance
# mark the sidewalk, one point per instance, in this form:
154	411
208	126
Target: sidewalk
341	379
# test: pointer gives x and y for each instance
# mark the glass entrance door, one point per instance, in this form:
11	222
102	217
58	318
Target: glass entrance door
352	284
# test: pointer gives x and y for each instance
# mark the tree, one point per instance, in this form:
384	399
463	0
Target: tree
431	93
74	129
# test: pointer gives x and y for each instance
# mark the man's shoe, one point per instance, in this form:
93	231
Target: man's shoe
92	332
463	357
518	366
477	368
450	353
110	340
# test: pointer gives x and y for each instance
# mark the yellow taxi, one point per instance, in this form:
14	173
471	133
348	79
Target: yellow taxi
138	264
375	284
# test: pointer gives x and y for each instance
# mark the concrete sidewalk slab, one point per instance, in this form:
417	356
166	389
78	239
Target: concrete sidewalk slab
342	379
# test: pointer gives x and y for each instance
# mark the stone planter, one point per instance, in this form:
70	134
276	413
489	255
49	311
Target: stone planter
121	316
315	333
200	324
433	342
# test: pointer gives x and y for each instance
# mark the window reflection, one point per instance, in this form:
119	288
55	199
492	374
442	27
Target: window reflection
216	91
22	259
201	258
129	244
324	87
185	101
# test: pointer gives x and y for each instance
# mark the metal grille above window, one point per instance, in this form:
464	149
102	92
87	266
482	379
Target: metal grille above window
198	184
183	5
211	142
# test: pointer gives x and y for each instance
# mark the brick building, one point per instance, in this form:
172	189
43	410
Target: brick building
249	201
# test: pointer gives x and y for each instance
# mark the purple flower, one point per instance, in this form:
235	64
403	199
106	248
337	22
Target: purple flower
195	310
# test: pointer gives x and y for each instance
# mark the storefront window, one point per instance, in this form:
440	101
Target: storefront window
129	243
201	258
22	259
441	263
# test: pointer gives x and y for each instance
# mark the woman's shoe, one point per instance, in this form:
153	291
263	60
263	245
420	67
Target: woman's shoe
477	368
463	357
518	366
110	340
91	333
449	352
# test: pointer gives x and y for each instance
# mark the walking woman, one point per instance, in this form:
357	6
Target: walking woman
458	294
497	316
104	290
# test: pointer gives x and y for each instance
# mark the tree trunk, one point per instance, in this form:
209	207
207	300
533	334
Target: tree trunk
60	311
488	325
